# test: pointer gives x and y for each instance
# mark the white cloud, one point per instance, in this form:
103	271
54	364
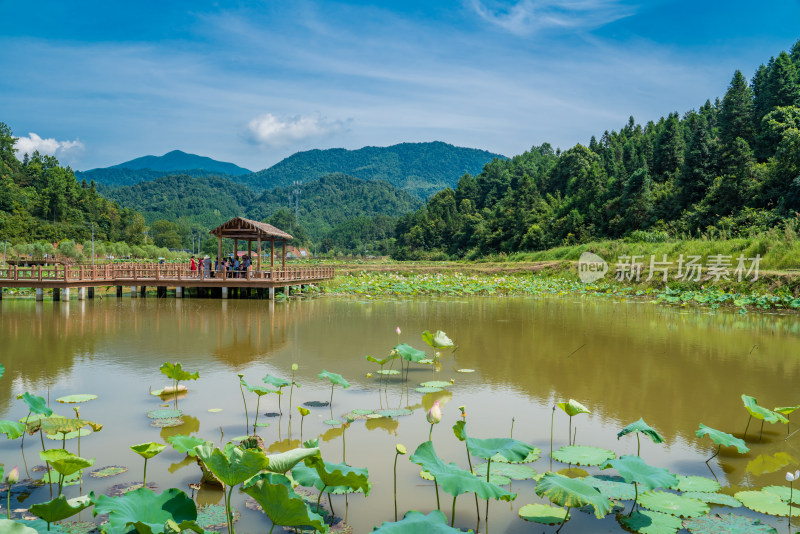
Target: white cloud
270	130
50	146
526	17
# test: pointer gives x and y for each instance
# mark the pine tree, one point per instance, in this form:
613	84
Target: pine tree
736	113
782	83
699	167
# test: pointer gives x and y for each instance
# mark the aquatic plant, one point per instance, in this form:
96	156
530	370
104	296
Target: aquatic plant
721	439
790	478
147	451
295	367
281	504
13	477
434	416
640	427
786	411
335	379
329	477
65	463
399	449
36	405
303	413
185	444
61	508
759	412
637	472
460	431
414	522
572	408
260	391
177	374
572	493
279	383
148	512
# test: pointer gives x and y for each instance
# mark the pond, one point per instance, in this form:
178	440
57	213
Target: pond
674	367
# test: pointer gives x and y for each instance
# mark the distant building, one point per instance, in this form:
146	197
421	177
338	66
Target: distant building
297	253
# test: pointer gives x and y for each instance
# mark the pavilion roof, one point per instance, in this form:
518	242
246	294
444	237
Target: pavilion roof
248	229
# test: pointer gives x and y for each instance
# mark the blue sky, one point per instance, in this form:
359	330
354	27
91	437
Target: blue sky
98	83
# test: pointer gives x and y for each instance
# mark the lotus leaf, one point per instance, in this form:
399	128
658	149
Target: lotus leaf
582	455
36	404
765	463
335	378
212	517
786	410
185	444
515	471
145	510
784	493
232	465
164	413
175	372
285	461
649	522
53	477
30	418
612	487
634	469
641	427
259	390
308	477
439	340
670	503
544	514
714	498
361	411
168	422
12	527
332	422
388	372
274	381
766	503
394	413
303	411
61	508
573	407
696	483
722	438
532	457
759	412
118	490
427	390
316	404
409	353
427	361
465	370
424	475
109	471
148	450
436	384
65	462
283	506
73	399
340	474
60	436
730	523
383	361
12	429
572	493
414	522
513	449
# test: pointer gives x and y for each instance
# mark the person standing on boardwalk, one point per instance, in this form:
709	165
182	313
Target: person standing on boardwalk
206	267
193	266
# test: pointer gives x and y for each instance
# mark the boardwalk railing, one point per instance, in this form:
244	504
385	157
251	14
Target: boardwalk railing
125	273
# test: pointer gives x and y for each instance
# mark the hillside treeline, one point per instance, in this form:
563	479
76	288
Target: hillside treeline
41	200
730	168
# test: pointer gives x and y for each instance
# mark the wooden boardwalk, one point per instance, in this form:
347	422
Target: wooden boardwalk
178	276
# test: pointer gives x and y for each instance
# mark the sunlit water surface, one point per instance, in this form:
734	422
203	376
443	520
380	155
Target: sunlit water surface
623	360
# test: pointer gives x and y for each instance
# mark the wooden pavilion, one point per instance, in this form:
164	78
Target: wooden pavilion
241	229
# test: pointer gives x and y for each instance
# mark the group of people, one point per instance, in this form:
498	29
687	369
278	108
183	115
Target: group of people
220	268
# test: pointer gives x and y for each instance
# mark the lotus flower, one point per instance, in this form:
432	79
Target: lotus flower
791	477
13	476
434	414
397	330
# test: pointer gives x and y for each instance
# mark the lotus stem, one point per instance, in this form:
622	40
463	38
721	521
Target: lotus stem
332	386
635	498
436	485
279	401
453	513
569	434
512	428
565	520
714	455
270	528
486	515
144	476
228	512
760	434
319	497
49	480
255	423
246	418
21	445
344	443
637	445
430	432
552	417
790	506
396	455
302	418
330	503
744	438
8	503
477	507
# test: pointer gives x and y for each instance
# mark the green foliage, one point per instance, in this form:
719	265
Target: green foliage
232	465
649	522
175	371
185	444
148	450
283	506
543	514
712	524
409	353
635	470
11	429
582	455
722	438
335	378
61	507
641	427
146	511
332	474
414	522
64	462
12	527
572	493
285	461
573	407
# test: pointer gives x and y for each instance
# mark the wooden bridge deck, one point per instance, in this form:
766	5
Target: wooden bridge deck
166	275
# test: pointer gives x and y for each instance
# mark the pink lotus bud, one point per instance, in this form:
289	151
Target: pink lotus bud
434	414
397	330
13	476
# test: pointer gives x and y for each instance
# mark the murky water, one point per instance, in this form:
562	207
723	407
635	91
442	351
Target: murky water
675	368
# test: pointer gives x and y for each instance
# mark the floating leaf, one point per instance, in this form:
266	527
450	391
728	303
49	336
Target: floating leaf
118	490
532	457
394	413
784	493
74	399
582	455
438	340
573	407
36	404
61	508
169	422
316	404
163	413
465	370
722	438
544	514
409	353
436	384
334	378
361	411
696	483
388	372
714	498
649	522
427	390
185	444
65	462
332	422
514	471
765	503
145	510
148	450
572	493
108	471
670	503
414	522
212	516
643	428
12	429
615	488
176	372
60	436
730	523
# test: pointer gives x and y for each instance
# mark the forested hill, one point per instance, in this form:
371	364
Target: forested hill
731	167
151	167
419	168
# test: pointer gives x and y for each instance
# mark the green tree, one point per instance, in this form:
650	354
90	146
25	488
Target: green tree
736	113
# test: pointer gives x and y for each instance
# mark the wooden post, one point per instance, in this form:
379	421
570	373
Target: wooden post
258	263
235	249
219	247
272	254
283	255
